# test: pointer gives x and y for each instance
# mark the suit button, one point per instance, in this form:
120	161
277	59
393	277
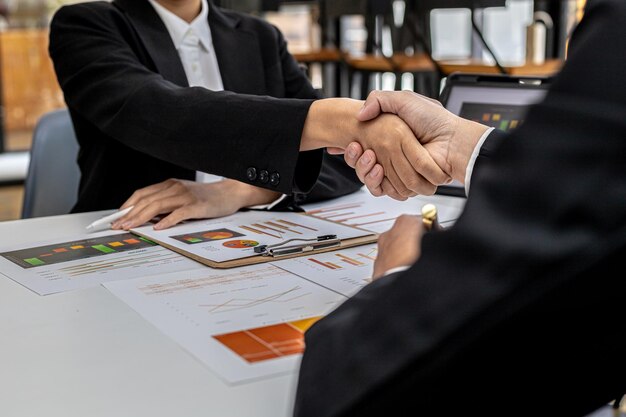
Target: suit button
251	173
274	179
264	176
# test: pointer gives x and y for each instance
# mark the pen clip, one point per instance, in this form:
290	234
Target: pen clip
279	249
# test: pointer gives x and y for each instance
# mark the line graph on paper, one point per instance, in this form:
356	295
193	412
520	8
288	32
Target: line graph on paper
233	304
244	323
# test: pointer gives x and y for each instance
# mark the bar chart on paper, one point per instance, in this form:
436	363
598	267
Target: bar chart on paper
243	323
377	215
345	271
88	261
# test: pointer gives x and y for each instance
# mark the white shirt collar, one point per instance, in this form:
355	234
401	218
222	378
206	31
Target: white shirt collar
179	29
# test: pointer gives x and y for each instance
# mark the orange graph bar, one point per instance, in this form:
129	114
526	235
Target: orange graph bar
268	342
283	227
260	226
361	216
349	260
297	225
324	264
335	208
375	221
362	255
332	214
333	265
260	232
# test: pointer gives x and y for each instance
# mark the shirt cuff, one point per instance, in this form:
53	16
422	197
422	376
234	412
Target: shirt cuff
270	205
472	161
396	269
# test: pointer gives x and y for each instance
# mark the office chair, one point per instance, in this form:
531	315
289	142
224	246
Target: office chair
52	183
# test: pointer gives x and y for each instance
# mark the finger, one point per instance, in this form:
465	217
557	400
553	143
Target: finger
149	211
374	180
412	179
400	174
389	190
365	164
147	200
353	152
423	163
145	192
385	102
177	216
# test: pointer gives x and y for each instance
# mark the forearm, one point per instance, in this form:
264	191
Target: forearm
331	123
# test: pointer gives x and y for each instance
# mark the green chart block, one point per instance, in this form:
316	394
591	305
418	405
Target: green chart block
35	261
504	125
147	240
104	249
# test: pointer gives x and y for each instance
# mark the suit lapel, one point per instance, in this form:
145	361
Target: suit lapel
237	53
156	39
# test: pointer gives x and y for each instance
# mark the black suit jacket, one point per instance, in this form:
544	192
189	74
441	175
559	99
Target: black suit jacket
519	309
139	123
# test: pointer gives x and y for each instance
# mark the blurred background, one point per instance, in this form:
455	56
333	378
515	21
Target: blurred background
347	47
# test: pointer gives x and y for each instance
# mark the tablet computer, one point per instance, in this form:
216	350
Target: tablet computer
499	101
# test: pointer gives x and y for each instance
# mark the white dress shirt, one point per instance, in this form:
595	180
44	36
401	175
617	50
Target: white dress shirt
194	44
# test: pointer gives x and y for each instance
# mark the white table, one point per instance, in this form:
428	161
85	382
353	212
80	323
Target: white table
87	354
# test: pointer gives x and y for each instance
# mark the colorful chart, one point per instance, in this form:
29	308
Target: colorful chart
72	251
505	117
277	229
207	236
240	244
269	342
361	259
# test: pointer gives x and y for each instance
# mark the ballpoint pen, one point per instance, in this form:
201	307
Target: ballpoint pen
109	219
429	218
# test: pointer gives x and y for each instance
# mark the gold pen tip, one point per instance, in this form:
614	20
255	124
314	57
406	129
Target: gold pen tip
429	211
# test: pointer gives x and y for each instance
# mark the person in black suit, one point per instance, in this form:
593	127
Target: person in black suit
518	309
139	123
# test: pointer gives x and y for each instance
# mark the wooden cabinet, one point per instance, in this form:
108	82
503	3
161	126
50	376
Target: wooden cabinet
29	85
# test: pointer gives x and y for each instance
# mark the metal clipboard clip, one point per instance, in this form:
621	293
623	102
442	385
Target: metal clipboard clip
279	249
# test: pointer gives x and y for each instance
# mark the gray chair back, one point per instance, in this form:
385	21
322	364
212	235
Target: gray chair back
51	187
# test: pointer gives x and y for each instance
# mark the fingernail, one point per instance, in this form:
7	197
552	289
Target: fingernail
158	226
351	152
127	225
366	159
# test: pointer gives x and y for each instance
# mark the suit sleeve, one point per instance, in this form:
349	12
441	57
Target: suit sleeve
521	288
106	84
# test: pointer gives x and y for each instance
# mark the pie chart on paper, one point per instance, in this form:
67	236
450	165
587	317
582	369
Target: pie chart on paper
240	244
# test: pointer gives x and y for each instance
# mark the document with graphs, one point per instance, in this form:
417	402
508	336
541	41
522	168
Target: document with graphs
87	261
244	323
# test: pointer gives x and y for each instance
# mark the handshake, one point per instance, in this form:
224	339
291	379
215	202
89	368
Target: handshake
401	143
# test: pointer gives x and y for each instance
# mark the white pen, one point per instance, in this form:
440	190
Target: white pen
110	218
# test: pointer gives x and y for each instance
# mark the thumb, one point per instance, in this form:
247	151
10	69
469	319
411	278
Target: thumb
371	108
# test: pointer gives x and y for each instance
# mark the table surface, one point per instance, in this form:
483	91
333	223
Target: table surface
86	353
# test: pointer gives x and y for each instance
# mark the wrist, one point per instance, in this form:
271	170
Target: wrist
248	195
462	144
331	123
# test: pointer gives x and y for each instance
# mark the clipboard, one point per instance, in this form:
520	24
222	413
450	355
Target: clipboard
301	246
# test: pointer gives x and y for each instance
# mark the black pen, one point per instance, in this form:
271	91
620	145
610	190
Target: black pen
430	219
